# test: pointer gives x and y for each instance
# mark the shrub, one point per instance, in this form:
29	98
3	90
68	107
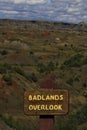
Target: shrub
70	81
15	124
31	76
84	128
81	115
4	52
41	68
19	70
7	78
85	61
65	45
69	123
31	52
84	85
85	94
77	79
74	61
50	66
7	66
2	69
46	68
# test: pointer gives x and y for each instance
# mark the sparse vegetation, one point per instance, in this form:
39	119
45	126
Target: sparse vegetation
73	120
70	81
47	68
7	78
2	69
31	77
31	50
74	61
50	67
41	67
84	84
19	70
14	124
4	52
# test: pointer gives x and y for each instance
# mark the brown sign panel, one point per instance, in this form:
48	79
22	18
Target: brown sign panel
46	102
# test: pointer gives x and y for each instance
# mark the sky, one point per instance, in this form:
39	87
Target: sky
74	11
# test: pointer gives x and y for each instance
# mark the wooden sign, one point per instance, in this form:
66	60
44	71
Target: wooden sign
46	102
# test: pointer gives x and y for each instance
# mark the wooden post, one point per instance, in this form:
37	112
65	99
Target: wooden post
47	122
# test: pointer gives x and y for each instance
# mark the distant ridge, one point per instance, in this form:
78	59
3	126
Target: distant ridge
44	24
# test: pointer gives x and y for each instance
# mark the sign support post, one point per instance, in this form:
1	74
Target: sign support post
47	121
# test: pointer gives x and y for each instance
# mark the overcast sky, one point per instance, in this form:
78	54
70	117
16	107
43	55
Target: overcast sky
54	10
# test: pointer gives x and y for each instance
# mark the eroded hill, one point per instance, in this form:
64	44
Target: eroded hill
27	54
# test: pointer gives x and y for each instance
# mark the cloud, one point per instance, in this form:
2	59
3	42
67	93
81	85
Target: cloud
8	12
54	10
24	1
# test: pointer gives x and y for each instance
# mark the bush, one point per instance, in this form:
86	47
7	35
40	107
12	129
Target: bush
19	70
72	121
69	123
77	79
31	52
84	128
7	66
41	68
50	66
70	81
81	115
84	84
2	69
31	77
15	124
85	94
4	52
85	61
74	61
7	78
46	68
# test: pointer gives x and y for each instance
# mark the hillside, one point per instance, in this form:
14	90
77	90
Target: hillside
43	25
29	50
